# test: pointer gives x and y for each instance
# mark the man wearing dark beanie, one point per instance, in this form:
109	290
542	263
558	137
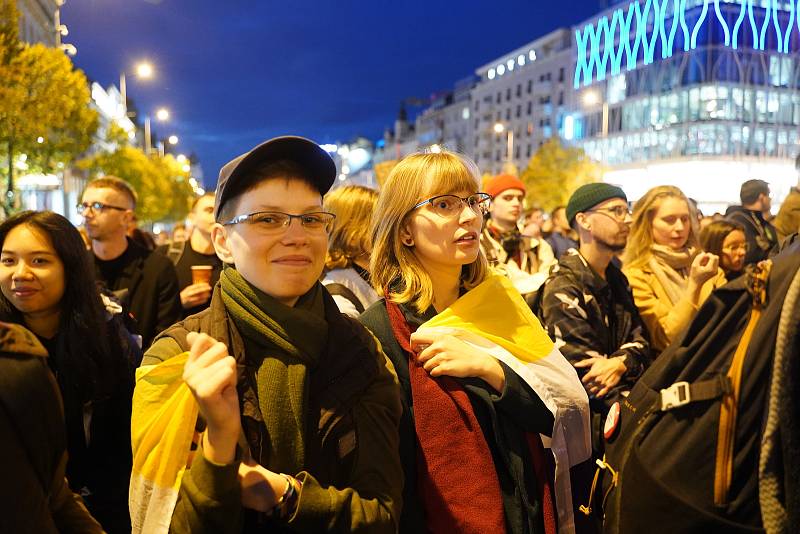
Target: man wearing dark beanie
587	305
526	260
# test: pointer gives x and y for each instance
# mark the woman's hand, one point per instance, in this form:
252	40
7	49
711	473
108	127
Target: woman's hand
210	374
444	354
704	268
603	374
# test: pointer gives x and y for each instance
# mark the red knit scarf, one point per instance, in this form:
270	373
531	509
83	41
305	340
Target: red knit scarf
457	478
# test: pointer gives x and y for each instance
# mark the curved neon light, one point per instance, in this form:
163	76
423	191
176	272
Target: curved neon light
618	36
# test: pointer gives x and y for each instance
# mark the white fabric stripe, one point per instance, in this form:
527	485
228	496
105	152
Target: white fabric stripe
150	506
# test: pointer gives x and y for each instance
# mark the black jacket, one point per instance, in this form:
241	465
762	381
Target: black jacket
587	317
153	296
762	238
34	497
503	419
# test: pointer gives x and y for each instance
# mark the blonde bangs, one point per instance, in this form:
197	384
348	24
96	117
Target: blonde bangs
393	266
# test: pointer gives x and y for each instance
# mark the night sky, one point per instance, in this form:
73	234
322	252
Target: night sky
234	72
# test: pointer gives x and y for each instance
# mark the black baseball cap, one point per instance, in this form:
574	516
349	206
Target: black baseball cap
237	173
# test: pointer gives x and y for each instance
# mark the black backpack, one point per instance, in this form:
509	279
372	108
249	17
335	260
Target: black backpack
684	453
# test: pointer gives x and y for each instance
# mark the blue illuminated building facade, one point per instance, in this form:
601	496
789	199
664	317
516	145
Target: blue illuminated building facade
701	80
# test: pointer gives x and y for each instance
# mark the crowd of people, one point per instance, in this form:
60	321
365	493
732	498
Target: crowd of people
427	357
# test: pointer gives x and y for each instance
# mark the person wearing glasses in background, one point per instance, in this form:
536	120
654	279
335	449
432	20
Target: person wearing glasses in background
144	281
298	405
727	240
587	305
669	273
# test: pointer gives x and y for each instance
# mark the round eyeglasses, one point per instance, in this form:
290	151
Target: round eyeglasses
451	205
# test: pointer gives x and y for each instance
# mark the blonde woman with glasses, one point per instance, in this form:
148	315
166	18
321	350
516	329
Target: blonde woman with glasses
469	356
668	272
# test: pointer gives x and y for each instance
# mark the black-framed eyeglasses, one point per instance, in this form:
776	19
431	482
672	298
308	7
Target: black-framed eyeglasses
97	207
618	213
277	221
451	205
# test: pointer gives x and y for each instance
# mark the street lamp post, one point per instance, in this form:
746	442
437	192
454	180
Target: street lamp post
162	114
499	128
144	70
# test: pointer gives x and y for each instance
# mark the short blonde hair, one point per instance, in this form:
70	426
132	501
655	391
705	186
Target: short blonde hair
350	238
394	269
638	251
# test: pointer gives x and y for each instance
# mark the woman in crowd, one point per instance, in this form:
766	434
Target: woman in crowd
669	274
91	353
349	245
487	475
726	239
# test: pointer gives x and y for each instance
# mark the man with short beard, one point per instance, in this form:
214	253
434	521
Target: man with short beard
587	304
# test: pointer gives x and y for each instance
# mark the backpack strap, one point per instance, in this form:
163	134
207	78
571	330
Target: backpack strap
683	393
723	471
344	291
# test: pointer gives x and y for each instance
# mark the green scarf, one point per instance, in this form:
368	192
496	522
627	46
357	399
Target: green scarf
281	345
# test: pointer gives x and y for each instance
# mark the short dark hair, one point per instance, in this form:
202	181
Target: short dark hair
751	189
117	184
556	210
286	169
712	236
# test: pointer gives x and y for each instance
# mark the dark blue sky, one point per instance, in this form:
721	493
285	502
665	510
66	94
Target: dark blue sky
237	72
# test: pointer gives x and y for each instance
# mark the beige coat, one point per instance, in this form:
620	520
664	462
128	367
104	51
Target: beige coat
663	320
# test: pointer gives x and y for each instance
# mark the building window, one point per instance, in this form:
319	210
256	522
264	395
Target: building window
561	74
561	98
499	97
477	105
530	86
508	114
519	89
508	94
519	110
530	107
528	151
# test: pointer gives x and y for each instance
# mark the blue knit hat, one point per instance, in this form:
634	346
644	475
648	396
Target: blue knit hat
590	195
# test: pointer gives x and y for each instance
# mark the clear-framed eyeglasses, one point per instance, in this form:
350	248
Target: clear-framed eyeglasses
618	213
451	205
276	222
97	207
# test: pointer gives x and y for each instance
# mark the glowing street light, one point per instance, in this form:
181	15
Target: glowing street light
162	114
173	139
143	70
499	127
591	98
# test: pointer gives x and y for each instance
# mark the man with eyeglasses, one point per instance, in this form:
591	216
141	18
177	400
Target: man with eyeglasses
144	281
587	305
526	260
298	405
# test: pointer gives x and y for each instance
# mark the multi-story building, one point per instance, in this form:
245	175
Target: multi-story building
446	123
703	96
520	101
37	21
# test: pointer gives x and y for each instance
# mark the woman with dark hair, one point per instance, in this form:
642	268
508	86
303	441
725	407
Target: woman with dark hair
727	240
91	353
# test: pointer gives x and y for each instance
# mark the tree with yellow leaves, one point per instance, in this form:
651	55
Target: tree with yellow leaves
44	104
555	171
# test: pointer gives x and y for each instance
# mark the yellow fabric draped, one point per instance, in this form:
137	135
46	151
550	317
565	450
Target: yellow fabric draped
497	312
163	421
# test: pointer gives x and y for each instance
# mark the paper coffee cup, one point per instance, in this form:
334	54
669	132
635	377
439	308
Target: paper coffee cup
201	274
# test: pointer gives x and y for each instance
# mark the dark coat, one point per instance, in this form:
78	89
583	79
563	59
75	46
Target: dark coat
587	316
153	296
34	495
352	480
503	419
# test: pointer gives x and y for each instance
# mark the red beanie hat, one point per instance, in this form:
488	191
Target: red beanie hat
497	184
